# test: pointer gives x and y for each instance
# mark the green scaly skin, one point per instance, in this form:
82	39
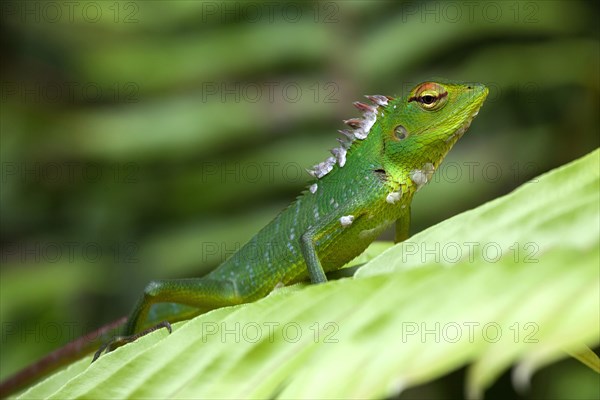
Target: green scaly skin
366	187
351	206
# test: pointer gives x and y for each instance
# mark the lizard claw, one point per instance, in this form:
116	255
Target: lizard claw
123	340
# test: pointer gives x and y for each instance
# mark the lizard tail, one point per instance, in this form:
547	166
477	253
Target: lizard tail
58	358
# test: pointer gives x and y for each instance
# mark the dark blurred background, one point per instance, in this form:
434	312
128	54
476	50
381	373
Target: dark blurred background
151	139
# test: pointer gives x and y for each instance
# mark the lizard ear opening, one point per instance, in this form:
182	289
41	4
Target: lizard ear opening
400	133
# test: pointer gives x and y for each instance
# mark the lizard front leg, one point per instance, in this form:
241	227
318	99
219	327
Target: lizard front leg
403	225
308	244
309	252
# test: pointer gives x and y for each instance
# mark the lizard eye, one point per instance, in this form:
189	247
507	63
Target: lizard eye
430	96
430	99
400	132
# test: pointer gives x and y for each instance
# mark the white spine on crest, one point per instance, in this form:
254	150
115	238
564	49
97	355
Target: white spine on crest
368	122
340	155
360	132
323	168
313	188
378	99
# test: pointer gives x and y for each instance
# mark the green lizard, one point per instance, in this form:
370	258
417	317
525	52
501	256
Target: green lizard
367	185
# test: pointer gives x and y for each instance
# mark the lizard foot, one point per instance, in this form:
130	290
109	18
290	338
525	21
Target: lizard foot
123	340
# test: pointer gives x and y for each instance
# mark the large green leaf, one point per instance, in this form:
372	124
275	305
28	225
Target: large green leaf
526	293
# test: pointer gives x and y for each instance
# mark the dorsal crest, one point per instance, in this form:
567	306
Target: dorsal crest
360	128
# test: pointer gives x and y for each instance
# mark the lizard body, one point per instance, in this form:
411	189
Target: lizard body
365	187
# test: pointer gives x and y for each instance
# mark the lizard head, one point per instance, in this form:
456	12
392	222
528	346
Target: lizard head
415	130
422	126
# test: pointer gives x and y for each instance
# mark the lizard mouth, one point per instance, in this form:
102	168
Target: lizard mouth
471	112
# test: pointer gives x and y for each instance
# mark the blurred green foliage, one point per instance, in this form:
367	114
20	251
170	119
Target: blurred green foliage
146	140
